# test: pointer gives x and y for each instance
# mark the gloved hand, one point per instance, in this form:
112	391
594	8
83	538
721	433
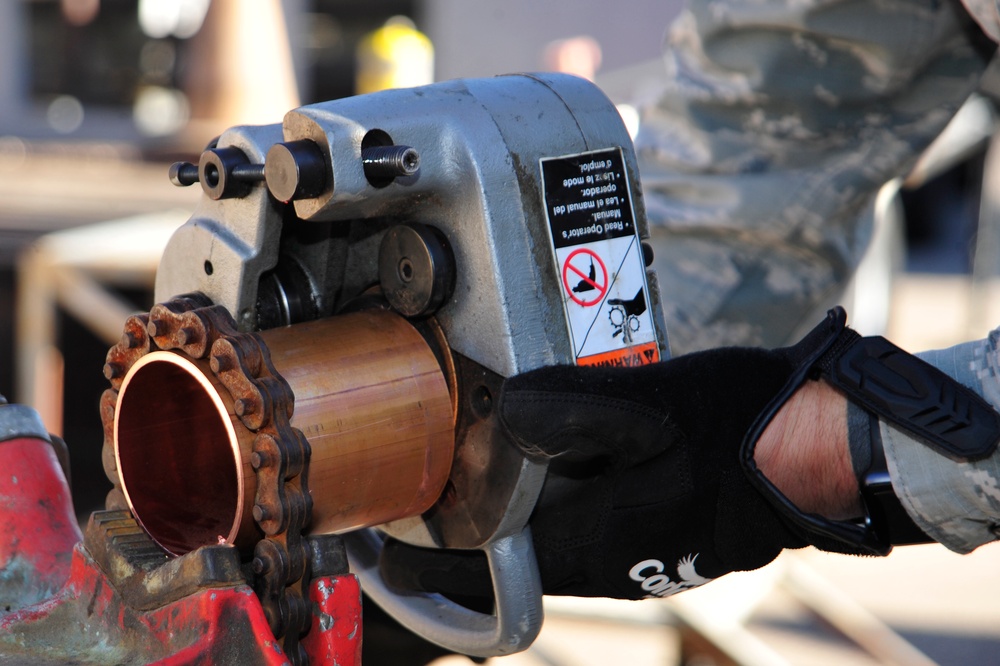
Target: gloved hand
651	486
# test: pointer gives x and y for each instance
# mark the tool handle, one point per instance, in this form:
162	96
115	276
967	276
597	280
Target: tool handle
517	587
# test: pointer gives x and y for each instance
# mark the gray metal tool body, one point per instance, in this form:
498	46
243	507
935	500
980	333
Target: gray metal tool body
503	214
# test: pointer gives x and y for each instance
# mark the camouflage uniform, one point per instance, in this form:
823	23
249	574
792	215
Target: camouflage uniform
958	504
987	15
776	125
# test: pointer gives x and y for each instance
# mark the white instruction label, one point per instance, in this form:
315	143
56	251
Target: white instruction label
596	246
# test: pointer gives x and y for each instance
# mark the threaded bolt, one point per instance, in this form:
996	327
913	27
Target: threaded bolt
387	162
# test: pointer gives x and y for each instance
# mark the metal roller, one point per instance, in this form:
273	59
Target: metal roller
369	396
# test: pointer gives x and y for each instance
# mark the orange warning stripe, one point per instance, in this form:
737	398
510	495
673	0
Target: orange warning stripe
624	358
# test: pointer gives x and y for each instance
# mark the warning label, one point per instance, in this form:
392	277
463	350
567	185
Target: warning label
597	249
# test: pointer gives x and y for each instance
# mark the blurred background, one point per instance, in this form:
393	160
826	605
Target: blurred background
98	97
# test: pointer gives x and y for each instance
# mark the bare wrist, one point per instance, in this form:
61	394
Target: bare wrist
804	452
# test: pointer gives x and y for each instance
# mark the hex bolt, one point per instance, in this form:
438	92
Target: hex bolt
388	162
113	371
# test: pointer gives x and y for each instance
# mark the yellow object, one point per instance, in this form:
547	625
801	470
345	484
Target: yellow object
397	55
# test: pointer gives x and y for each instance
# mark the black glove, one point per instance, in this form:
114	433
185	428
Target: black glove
651	486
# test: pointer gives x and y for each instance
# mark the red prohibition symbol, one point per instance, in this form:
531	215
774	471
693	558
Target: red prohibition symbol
585	277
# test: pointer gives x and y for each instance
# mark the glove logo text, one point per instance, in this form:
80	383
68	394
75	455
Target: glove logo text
658	584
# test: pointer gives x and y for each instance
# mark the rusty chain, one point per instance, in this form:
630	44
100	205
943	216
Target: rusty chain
263	401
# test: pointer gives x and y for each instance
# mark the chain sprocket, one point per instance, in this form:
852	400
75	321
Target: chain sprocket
263	401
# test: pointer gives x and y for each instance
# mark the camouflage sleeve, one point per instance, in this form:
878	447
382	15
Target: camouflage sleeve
956	504
987	14
776	123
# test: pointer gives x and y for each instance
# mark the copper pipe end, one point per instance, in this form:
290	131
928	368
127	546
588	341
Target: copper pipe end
178	454
370	398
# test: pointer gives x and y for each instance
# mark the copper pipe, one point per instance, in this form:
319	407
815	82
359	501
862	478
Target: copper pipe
182	455
371	399
369	396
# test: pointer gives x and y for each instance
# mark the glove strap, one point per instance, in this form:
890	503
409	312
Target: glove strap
913	395
885	515
899	388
